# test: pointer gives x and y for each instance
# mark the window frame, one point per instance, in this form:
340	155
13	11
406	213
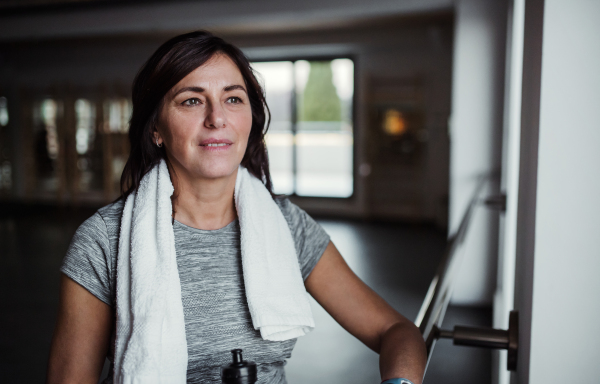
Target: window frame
294	120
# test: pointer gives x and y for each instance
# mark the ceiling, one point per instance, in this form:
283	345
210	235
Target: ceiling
56	19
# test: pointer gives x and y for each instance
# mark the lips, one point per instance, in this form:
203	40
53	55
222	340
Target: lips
215	143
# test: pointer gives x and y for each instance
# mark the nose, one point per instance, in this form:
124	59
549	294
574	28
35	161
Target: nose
216	116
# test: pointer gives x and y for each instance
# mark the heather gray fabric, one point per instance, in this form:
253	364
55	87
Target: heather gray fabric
212	287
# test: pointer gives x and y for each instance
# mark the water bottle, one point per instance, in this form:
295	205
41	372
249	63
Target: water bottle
239	371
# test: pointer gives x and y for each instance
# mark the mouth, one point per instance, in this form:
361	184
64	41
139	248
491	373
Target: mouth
215	144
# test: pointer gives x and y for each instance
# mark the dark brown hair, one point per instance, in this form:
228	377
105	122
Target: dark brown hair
171	62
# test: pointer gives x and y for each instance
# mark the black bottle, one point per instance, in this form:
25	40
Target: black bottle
239	371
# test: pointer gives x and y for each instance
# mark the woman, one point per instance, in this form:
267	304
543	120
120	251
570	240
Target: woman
198	108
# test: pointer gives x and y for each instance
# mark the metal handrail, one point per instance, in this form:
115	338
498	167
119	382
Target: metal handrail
431	315
438	296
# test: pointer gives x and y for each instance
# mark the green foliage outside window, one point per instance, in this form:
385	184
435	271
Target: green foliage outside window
320	101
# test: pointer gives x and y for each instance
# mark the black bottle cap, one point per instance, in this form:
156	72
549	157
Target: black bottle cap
239	371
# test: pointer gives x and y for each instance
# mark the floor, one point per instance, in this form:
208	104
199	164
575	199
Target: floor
396	260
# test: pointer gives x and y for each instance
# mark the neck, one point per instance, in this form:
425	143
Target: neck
204	203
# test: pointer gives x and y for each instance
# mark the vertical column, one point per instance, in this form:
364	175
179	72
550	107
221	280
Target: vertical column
504	295
475	138
528	168
559	210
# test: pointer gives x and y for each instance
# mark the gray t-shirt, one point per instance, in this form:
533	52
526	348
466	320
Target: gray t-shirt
216	313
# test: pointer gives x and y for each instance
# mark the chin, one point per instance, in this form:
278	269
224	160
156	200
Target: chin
217	171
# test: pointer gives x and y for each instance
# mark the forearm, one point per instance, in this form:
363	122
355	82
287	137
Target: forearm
402	353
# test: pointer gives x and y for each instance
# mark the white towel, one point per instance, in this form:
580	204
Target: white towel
150	335
277	299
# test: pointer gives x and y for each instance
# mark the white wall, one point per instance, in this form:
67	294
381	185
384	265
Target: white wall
557	259
475	138
505	281
565	303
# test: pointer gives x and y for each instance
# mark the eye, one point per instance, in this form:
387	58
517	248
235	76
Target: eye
191	102
234	100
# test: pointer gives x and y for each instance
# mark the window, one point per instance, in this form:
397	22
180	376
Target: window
5	164
78	146
310	140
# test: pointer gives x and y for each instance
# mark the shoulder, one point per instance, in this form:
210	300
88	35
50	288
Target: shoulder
99	227
285	205
110	216
112	212
94	235
293	214
89	260
310	239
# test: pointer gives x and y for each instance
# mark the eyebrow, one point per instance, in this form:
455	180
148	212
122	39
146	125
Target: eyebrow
234	87
189	89
200	89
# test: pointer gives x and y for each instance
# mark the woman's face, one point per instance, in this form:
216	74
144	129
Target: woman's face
205	121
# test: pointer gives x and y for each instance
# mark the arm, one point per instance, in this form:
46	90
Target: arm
368	317
81	338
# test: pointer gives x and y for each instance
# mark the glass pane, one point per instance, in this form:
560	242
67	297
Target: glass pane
3	112
47	144
324	143
5	175
278	79
89	152
5	149
117	113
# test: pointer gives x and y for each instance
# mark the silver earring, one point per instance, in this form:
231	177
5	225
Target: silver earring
157	144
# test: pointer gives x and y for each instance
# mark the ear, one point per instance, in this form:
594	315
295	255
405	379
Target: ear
156	137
